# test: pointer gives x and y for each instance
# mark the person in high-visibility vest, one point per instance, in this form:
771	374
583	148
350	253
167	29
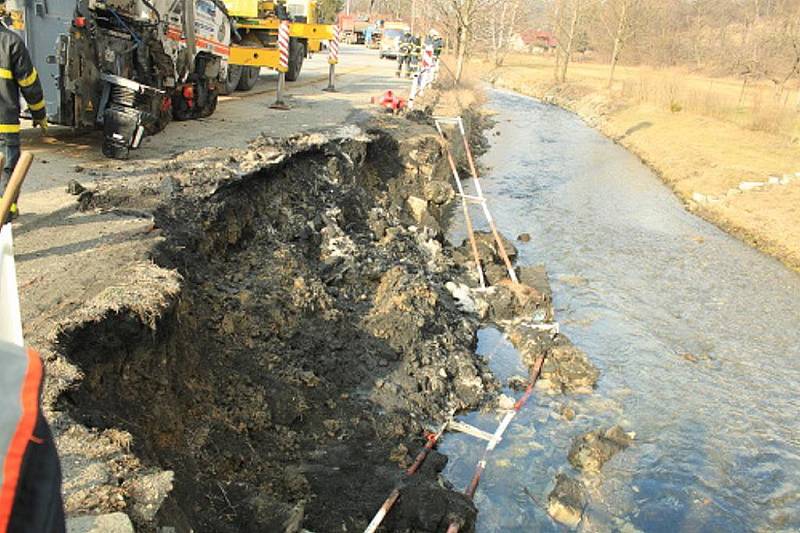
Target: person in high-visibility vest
17	75
30	474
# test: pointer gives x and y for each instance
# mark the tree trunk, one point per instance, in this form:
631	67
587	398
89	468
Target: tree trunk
462	52
571	40
499	45
557	33
623	21
507	37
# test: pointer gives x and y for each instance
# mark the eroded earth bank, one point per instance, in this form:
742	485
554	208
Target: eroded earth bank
282	351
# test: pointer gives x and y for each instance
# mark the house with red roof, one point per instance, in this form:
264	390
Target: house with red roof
535	41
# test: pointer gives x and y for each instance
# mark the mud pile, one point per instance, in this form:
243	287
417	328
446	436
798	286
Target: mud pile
303	338
589	452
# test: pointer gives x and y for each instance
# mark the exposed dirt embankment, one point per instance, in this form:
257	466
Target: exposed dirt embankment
288	343
746	182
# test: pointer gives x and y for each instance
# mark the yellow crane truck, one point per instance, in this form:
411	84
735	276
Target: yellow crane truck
255	38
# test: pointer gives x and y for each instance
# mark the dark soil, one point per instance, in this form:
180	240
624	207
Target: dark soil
310	341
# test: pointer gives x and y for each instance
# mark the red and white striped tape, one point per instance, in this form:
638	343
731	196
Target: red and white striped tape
333	47
427	57
283	46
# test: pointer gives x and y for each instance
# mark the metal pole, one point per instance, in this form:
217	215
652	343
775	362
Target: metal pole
331	88
464	206
536	371
188	28
500	247
283	65
333	59
413	92
279	103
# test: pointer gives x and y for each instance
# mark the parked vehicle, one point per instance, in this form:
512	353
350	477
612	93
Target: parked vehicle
390	38
130	66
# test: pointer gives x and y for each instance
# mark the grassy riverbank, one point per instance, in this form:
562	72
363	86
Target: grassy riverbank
703	136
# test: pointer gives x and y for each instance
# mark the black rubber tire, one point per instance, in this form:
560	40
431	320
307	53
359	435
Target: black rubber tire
234	75
297	53
180	109
249	78
162	115
211	105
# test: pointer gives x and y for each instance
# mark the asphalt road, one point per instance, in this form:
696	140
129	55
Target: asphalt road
66	154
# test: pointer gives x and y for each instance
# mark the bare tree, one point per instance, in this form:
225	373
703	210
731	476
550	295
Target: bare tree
556	23
566	33
621	11
462	16
502	26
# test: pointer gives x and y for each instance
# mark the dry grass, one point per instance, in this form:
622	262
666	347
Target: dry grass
755	105
700	134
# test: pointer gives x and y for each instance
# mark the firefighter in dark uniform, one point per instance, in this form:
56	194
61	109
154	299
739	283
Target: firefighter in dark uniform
416	54
17	75
405	50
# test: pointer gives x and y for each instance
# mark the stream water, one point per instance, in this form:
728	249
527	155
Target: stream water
697	337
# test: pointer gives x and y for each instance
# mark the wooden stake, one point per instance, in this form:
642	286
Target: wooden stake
14	184
500	247
465	207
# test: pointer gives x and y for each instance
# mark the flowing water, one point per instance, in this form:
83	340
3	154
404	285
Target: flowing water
697	337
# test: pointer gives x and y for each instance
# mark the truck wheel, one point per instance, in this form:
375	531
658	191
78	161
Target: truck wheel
297	53
180	108
249	78
234	75
210	106
161	115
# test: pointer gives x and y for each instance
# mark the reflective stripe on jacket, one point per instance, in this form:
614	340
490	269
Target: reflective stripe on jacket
20	383
406	45
17	74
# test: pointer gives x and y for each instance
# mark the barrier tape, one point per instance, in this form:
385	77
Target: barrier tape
431	440
427	57
536	371
333	47
283	46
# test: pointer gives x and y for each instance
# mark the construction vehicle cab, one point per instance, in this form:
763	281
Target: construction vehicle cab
256	37
390	38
